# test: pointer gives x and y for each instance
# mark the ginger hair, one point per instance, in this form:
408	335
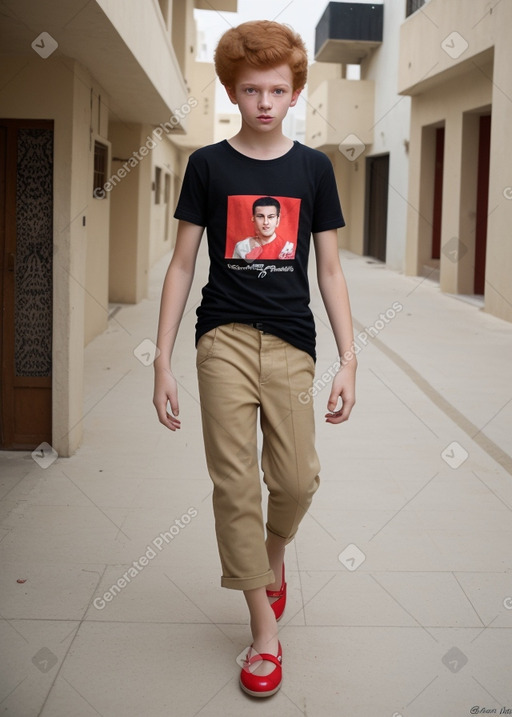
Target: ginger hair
261	44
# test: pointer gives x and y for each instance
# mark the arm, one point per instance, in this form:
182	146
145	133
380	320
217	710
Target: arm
333	289
176	289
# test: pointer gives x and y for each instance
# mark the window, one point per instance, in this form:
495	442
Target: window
167	188
413	5
158	184
100	170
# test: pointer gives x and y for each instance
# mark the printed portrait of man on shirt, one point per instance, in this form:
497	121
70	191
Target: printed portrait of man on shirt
266	241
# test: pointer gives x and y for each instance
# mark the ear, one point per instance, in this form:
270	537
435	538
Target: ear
231	94
295	97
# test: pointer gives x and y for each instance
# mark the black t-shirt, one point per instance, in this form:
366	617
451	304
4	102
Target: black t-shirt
295	195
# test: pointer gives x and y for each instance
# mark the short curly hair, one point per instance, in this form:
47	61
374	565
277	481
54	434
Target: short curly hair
260	44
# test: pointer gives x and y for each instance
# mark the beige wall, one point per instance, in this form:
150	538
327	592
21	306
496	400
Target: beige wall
127	200
103	248
59	89
454	91
357	119
226	126
98	214
350	179
183	35
166	156
449	104
200	112
339	109
135	22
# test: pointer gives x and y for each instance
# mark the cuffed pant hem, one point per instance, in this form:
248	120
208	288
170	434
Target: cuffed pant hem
259	581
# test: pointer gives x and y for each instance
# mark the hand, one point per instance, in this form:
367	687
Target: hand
166	391
344	388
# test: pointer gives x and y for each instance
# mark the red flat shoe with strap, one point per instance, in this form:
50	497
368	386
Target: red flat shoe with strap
278	605
262	685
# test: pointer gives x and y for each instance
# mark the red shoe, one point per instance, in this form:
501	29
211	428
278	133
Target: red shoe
278	605
262	685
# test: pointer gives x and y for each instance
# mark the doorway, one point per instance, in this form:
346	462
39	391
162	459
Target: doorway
377	184
26	287
482	202
437	211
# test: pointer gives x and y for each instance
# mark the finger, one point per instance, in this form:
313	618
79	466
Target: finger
172	420
333	402
174	405
173	423
166	418
341	415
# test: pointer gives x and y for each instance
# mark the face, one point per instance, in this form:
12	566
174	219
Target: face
266	220
263	96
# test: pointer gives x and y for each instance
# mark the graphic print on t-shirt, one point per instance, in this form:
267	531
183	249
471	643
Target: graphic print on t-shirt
261	227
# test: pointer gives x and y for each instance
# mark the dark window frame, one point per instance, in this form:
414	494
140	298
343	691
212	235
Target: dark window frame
158	184
99	178
413	6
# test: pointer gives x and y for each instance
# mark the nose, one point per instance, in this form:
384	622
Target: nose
265	100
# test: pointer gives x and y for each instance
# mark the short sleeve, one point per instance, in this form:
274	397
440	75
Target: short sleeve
327	213
193	200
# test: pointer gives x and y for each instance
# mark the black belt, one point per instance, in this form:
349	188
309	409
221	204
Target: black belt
256	325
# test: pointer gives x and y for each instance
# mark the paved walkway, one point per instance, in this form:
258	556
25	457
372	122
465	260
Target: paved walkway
400	583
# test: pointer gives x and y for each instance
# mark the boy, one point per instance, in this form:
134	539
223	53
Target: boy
255	331
265	244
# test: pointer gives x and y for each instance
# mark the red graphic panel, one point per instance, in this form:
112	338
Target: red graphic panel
261	227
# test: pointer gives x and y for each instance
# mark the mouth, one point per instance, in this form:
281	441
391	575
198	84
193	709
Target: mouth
265	117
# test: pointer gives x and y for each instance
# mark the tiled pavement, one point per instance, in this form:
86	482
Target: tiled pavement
400	582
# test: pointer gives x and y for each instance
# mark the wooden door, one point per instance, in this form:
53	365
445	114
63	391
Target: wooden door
26	263
437	212
482	202
377	174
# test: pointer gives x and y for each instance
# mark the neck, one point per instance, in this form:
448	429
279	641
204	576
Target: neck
261	145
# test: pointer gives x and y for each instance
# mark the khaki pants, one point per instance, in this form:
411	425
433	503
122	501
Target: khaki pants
240	370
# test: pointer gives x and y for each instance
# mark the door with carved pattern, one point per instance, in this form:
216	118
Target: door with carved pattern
26	254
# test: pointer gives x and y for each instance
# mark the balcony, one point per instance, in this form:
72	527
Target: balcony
444	41
348	32
339	109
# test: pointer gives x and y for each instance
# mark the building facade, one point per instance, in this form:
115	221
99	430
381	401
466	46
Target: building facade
419	141
456	65
96	123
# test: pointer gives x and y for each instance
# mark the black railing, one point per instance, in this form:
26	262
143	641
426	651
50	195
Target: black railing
413	5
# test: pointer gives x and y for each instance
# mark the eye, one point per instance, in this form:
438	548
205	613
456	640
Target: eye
279	91
250	90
